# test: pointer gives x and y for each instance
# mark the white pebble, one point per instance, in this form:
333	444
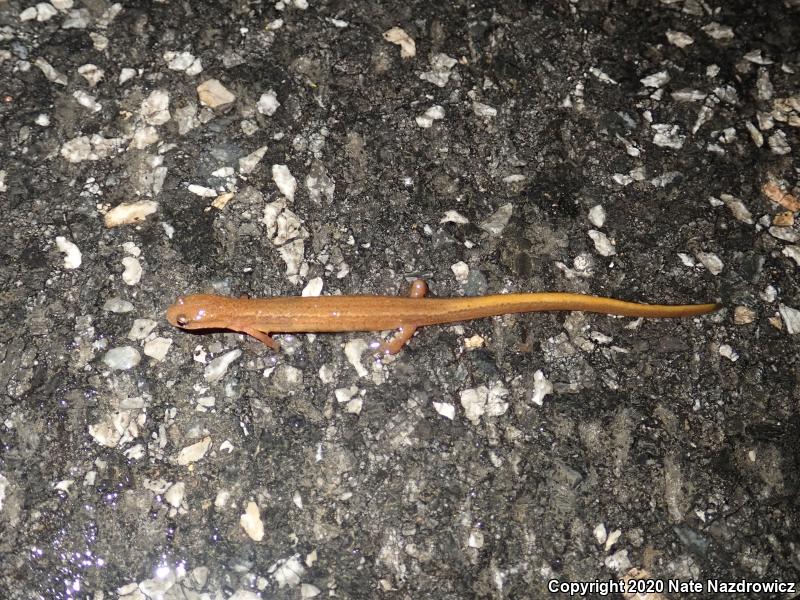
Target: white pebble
29	14
600	534
283	178
86	100
91	73
668	136
216	369
597	215
541	388
656	80
249	162
445	409
178	61
475	539
354	406
728	352
122	358
791	318
345	394
155	108
484	110
157	348
679	39
711	261
353	350
434	113
50	72
45	11
787	234
737	207
129	212
133	270
453	216
117	305
398	36
193	453
268	103
313	288
141	328
460	270
792	252
612	539
308	590
72	254
126	74
251	522
213	94
602	244
497	221
288	572
203	192
175	494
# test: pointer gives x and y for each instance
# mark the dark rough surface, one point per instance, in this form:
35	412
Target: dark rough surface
690	456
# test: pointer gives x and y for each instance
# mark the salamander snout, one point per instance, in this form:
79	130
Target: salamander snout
194	312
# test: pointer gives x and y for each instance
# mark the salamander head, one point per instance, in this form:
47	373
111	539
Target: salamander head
199	311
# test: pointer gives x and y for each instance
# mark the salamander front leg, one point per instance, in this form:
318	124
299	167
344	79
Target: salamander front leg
418	290
262	337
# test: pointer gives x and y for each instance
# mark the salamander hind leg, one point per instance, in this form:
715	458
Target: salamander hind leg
263	337
394	345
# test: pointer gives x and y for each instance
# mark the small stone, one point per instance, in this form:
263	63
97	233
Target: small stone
122	358
141	328
792	252
597	215
129	212
743	315
426	119
268	103
193	453
656	80
175	494
72	254
711	261
791	318
133	270
249	162
155	108
251	522
679	39
445	409
737	207
396	35
216	369
497	221
157	348
213	94
283	178
126	74
484	110
602	243
541	388
91	73
117	305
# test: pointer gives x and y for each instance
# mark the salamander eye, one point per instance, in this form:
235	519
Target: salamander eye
182	320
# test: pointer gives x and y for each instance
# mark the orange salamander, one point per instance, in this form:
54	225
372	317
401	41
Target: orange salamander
297	314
